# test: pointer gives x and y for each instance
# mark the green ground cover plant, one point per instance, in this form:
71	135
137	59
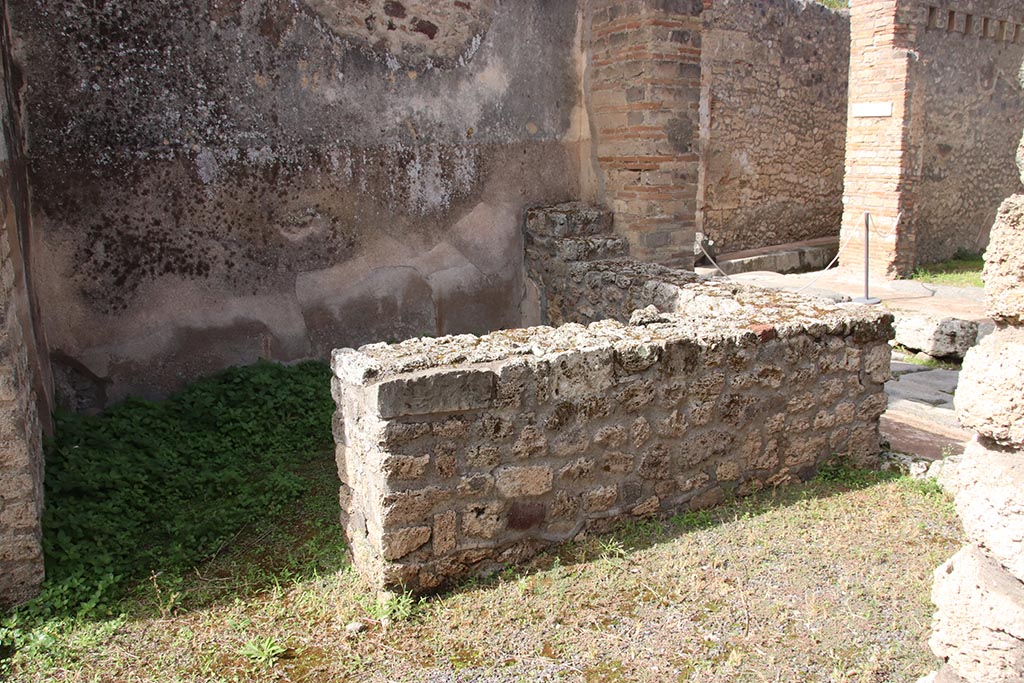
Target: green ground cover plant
963	270
145	491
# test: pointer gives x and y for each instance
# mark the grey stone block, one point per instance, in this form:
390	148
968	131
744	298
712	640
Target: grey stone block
938	337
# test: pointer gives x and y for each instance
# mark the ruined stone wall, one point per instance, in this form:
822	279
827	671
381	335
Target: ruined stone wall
773	122
223	180
460	454
978	629
643	97
582	270
969	56
21	356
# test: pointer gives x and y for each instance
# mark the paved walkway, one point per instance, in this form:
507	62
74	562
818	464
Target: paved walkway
920	419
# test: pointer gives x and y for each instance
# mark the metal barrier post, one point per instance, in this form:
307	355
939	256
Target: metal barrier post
867	298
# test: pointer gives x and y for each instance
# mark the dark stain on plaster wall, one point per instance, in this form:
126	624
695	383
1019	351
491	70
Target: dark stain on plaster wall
240	144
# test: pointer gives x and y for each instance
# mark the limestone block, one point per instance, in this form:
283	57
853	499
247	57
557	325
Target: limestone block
979	626
600	499
990	501
409	507
513	482
1004	263
353	367
483	521
938	337
436	391
581	373
990	396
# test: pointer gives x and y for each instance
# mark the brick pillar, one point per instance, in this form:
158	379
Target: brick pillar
645	97
881	166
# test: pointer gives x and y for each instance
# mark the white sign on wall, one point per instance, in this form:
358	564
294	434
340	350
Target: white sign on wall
865	110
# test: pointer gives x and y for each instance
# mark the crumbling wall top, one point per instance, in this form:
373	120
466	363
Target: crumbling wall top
707	311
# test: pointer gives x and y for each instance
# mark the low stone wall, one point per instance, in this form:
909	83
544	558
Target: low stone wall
461	454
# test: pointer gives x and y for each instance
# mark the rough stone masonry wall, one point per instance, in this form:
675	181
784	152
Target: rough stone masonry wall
935	112
582	269
21	458
461	454
773	122
303	173
973	114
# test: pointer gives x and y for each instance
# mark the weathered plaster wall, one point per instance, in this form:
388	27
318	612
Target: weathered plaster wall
22	360
227	180
773	121
973	112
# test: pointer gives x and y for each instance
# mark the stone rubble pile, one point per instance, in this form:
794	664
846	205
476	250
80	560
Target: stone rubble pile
979	626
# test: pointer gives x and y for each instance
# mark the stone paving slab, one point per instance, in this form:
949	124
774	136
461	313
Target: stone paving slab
967	303
920	419
899	367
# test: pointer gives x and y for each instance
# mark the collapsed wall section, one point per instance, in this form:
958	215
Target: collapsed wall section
773	122
460	454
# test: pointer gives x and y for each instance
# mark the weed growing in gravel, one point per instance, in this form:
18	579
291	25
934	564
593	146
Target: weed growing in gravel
262	651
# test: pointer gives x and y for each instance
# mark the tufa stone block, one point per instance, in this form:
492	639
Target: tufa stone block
979	626
990	396
514	482
436	391
938	337
1004	263
400	542
990	500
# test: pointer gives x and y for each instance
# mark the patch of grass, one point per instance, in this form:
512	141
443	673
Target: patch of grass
841	472
963	270
828	580
834	4
907	356
393	607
